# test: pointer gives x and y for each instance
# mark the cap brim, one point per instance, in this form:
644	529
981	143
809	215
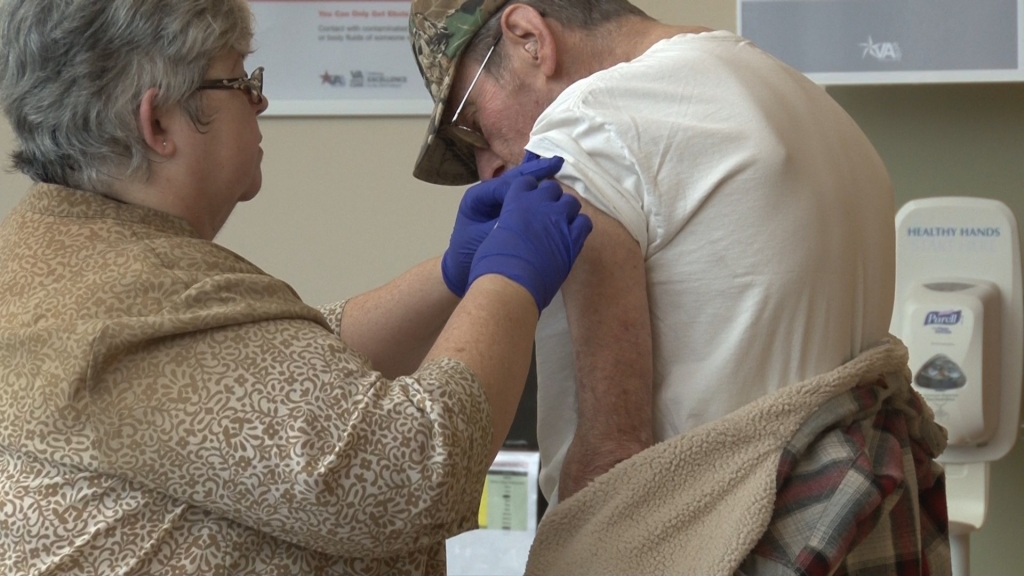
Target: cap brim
441	160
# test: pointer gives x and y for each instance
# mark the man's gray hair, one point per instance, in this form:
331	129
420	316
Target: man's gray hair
73	73
578	14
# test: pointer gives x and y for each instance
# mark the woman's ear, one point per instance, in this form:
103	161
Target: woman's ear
525	30
152	123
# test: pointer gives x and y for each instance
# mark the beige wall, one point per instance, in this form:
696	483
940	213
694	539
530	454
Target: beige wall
340	213
958	140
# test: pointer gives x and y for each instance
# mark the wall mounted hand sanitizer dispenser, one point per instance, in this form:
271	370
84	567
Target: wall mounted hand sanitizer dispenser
960	311
953	330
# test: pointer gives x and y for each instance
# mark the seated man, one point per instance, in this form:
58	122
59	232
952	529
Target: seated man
743	234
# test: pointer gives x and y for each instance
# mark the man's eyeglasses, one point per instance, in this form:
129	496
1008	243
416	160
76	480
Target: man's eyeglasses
463	133
253	85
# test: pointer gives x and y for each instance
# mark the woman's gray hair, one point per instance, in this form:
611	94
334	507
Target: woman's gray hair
73	74
579	14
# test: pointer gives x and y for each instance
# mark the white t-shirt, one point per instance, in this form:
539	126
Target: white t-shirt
764	215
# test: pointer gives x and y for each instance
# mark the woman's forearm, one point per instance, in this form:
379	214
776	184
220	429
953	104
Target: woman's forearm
395	325
492	333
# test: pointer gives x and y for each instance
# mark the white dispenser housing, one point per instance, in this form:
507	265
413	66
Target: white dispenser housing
960	311
953	331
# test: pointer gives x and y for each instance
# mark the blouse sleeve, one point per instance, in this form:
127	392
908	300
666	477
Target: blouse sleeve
333	313
261	414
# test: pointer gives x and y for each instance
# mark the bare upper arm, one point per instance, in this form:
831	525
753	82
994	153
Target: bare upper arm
609	322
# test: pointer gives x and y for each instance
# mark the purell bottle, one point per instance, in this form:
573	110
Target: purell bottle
952	330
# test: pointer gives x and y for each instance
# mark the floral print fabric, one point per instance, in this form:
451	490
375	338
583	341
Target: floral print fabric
168	408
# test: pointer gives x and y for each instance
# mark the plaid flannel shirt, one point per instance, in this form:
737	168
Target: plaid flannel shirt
859	492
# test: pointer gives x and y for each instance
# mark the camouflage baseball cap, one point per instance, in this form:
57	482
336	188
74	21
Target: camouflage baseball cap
440	31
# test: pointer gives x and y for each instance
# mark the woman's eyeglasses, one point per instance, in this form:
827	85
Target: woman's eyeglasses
252	85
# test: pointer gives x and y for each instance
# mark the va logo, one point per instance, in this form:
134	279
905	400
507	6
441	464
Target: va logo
881	51
332	79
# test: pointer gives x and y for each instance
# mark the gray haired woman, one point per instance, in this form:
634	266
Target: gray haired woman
168	408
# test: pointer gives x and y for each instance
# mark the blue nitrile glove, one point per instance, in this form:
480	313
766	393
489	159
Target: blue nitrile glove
540	233
478	213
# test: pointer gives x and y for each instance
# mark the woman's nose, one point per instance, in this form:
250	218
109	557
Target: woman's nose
262	106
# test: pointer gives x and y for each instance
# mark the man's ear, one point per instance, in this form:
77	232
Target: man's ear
529	35
532	50
153	124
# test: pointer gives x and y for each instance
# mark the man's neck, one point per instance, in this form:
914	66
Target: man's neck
621	41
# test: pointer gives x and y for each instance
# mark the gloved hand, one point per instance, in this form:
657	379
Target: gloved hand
540	233
477	215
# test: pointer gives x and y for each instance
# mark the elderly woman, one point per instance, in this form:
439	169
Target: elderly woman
168	408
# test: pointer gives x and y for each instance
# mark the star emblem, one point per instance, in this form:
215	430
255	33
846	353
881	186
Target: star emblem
869	47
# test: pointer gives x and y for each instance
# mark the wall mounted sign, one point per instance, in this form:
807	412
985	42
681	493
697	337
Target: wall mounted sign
890	41
344	57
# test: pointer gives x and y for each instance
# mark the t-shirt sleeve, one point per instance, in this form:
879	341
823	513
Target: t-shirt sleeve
598	165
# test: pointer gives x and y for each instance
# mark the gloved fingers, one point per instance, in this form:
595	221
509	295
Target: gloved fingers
521	185
579	229
525	184
546	191
528	156
483	201
539	235
569	206
454	278
537	166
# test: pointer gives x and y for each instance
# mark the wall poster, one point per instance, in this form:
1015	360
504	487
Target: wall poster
337	57
890	41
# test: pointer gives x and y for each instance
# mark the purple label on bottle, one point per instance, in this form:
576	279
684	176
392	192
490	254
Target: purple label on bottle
943	318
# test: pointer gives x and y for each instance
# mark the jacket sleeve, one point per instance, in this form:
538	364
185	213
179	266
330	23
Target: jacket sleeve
274	422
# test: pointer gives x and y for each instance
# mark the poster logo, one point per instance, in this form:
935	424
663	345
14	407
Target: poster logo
336	80
881	51
372	79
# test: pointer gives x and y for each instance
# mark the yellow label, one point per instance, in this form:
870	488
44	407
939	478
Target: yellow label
482	516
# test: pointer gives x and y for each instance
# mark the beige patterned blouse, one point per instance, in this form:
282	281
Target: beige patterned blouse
168	408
